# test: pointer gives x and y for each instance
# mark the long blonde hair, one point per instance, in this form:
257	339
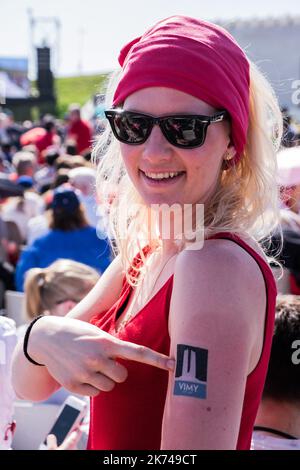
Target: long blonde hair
62	280
246	200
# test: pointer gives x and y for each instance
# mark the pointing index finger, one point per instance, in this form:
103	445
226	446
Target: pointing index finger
143	354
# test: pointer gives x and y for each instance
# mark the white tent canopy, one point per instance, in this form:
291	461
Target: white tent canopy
9	89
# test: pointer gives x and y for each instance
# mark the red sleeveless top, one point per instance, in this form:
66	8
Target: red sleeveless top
130	416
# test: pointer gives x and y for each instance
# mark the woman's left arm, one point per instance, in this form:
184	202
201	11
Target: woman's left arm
214	309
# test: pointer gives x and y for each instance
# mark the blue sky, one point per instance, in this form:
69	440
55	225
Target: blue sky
93	31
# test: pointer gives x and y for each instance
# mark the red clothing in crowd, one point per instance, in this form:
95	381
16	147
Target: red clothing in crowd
130	416
43	143
80	131
39	137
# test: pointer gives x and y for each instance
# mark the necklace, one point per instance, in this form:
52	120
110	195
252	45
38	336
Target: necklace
138	294
274	431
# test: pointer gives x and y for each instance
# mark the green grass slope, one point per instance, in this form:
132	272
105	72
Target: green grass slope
77	90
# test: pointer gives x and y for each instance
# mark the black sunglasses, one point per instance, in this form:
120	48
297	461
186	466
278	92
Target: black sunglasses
181	130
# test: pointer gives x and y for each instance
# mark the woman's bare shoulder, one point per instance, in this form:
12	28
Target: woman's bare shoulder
217	273
222	251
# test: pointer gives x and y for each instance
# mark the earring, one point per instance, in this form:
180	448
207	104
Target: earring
226	160
227	156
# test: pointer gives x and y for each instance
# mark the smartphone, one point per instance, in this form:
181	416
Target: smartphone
69	418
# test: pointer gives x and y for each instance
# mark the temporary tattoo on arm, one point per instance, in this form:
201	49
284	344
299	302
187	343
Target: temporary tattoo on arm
191	371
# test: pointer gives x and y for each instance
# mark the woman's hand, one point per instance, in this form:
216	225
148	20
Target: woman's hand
82	358
70	443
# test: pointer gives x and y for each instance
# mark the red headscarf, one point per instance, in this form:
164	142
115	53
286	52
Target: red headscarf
193	56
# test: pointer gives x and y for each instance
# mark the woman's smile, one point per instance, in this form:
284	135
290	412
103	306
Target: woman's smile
162	179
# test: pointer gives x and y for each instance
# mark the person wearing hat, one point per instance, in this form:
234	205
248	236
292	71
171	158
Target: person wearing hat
193	129
25	181
69	237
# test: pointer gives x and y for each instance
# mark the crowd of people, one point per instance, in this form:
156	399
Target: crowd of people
57	211
161	312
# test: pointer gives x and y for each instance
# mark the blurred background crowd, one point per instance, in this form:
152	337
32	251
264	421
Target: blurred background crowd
49	207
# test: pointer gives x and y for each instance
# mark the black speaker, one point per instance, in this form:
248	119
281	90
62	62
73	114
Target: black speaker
44	75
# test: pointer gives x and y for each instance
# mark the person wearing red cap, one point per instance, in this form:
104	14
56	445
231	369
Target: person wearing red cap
194	129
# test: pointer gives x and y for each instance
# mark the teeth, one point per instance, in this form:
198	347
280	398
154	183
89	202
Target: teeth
160	176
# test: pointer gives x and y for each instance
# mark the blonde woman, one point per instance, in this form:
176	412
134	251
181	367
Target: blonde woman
57	289
195	126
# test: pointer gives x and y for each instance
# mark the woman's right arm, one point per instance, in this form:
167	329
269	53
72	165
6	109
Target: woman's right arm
35	383
31	382
78	355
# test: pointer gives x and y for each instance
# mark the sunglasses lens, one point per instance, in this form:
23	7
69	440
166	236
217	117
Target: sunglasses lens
185	131
131	128
180	131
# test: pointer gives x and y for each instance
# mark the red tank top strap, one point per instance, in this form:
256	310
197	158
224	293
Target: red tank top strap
133	271
138	261
270	283
264	267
